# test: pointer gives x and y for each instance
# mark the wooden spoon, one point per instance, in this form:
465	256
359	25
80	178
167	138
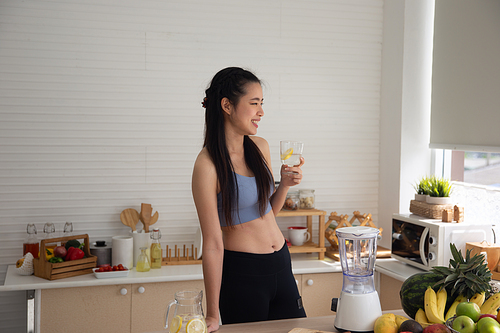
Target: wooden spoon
130	217
145	211
146	216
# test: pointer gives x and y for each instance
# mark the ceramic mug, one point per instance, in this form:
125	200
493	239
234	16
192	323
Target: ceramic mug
298	235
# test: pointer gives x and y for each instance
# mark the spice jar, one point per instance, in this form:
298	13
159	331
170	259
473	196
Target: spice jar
306	199
292	200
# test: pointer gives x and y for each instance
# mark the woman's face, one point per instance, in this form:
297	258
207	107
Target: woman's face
245	116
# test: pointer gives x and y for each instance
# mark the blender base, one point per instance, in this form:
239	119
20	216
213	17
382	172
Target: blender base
357	312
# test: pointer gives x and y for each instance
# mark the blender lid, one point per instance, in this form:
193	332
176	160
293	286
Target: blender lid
357	232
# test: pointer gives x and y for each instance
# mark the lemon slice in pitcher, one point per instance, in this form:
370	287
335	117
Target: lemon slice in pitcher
175	324
287	154
196	325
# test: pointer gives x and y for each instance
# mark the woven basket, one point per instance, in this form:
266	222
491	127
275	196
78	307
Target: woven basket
427	210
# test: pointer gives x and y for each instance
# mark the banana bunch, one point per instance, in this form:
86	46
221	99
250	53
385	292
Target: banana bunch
434	304
453	308
422	318
491	305
388	323
478	298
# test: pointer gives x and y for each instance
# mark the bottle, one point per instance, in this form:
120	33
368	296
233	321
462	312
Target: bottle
143	261
68	229
49	231
155	252
31	243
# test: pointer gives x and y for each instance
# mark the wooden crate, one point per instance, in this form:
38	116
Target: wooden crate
492	252
61	270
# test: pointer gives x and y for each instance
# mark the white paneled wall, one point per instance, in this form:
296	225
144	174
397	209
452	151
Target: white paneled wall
100	106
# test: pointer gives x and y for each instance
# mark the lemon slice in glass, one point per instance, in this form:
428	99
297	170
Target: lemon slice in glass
287	154
196	325
175	324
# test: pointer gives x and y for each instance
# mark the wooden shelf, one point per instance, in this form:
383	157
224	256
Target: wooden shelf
309	247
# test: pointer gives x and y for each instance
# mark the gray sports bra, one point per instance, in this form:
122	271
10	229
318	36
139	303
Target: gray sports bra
248	202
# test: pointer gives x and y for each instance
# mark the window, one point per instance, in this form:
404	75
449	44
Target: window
476	177
482	168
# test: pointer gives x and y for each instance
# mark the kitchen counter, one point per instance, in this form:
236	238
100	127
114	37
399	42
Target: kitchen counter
286	325
301	264
396	269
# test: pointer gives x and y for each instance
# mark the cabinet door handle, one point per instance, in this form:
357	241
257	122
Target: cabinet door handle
123	291
141	290
310	282
296	281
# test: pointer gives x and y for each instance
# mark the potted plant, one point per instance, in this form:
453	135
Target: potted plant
421	189
439	191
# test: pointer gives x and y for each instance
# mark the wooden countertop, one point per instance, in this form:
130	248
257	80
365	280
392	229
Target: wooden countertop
324	324
282	326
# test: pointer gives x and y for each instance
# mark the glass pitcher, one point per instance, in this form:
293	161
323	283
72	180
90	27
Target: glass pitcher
185	313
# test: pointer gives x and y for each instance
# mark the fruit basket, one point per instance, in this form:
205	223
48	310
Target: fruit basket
449	324
54	271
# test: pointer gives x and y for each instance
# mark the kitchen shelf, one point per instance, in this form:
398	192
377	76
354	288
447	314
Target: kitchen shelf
309	247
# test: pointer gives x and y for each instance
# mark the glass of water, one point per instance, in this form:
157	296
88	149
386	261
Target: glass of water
291	152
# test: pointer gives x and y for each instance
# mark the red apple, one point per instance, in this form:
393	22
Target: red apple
487	315
436	328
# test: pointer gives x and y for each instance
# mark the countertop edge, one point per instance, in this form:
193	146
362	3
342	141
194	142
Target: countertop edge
301	264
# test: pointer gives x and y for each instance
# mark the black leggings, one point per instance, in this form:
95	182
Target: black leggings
258	287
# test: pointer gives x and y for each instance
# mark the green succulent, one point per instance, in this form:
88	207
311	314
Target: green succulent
467	276
439	187
422	186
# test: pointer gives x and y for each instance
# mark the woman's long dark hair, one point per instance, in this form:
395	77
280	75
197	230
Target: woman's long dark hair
230	83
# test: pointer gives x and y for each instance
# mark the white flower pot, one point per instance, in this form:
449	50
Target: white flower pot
420	197
438	200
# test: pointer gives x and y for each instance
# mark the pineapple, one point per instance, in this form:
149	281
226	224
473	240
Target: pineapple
467	276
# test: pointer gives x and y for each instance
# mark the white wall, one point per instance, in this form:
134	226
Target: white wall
405	105
100	107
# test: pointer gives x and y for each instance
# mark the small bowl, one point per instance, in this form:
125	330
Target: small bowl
112	274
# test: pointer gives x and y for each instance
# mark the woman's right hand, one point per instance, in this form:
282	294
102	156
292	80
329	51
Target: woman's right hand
212	324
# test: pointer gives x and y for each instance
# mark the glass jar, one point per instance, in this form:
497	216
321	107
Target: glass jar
143	264
292	200
306	199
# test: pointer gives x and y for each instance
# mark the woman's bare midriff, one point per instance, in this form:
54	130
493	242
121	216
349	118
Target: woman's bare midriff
261	235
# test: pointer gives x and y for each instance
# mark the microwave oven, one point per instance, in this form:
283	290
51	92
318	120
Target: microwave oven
425	243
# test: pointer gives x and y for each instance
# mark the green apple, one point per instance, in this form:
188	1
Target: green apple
469	309
464	324
488	325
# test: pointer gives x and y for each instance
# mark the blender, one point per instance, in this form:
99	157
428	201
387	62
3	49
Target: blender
358	306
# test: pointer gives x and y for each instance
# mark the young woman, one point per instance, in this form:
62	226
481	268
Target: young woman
246	267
